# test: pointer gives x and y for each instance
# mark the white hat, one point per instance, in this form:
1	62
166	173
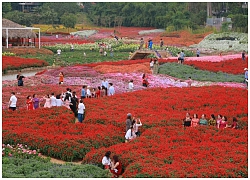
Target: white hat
245	69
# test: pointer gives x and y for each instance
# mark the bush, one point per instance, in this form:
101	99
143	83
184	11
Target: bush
38	168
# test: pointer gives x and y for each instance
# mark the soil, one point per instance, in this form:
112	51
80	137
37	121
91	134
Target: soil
58	161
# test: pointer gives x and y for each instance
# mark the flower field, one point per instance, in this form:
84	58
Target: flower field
10	63
164	146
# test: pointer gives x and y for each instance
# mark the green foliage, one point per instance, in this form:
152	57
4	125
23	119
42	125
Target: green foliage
6	7
185	71
38	168
68	20
22	18
77	57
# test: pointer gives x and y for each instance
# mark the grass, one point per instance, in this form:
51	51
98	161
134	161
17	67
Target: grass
184	71
14	167
77	57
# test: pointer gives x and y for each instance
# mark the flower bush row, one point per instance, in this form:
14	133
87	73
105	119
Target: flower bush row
164	145
10	63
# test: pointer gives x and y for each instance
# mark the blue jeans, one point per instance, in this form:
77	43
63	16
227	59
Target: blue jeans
80	117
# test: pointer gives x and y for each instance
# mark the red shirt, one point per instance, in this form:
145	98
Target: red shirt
29	103
223	124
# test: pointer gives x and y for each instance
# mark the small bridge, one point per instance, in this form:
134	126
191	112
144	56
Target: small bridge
142	54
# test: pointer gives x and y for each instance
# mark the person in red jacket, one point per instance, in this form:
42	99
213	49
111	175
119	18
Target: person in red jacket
116	166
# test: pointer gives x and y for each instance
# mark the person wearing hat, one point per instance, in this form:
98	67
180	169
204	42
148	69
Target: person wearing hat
246	76
128	121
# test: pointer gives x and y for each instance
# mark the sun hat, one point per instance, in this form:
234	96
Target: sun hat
129	114
245	69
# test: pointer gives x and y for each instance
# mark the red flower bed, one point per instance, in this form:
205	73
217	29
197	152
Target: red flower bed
50	40
235	66
12	62
164	149
231	65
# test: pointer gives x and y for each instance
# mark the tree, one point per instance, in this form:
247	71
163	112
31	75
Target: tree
47	15
6	7
68	20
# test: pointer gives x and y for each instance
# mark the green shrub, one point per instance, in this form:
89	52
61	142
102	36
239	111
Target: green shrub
13	167
184	71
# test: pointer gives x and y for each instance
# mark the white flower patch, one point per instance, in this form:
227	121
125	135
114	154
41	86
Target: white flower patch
85	33
151	31
238	42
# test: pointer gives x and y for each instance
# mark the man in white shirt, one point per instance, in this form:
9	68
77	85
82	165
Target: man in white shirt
12	102
53	100
81	109
131	85
59	52
111	90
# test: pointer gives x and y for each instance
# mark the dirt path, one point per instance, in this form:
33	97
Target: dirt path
58	161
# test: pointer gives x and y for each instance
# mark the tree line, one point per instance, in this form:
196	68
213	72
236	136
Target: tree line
170	15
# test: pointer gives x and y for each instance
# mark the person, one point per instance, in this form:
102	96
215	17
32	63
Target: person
106	161
111	52
61	76
67	101
59	52
30	41
150	44
93	93
151	65
81	109
131	85
187	120
246	76
105	53
53	99
105	84
130	134
136	126
12	102
155	66
111	90
98	92
161	43
144	80
36	101
189	81
116	167
71	47
103	91
128	121
47	101
83	92
179	57
88	92
218	120
223	123
243	55
203	120
198	53
182	56
73	105
19	78
59	101
212	121
141	44
235	124
84	54
29	103
195	121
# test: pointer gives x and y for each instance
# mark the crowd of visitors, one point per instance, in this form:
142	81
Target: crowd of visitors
220	122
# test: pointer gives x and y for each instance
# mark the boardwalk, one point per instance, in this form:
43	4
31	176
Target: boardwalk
142	54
